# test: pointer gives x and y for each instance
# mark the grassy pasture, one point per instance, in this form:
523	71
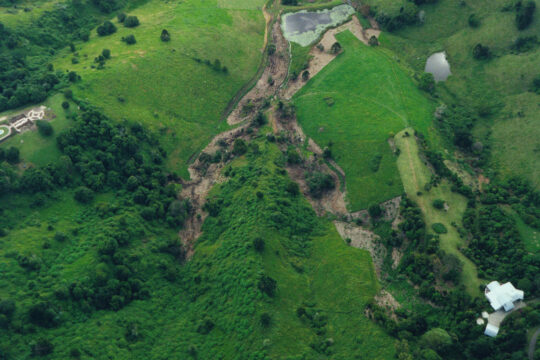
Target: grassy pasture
415	174
35	148
160	84
373	98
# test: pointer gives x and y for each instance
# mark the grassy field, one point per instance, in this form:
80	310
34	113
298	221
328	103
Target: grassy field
159	83
35	148
499	85
415	174
530	236
357	102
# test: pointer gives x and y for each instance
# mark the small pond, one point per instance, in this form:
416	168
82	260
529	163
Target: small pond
304	27
437	65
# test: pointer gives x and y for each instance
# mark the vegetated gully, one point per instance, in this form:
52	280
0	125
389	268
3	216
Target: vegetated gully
272	84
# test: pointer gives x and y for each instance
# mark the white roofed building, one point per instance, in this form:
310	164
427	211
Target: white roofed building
502	296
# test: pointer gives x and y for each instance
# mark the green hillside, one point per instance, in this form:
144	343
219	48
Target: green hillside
212	306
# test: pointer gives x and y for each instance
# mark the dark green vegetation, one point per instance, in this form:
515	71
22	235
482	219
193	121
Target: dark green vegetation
95	269
373	98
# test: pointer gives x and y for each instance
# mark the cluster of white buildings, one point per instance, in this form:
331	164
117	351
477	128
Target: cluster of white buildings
503	299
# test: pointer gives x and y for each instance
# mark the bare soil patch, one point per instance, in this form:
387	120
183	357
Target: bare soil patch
363	239
268	84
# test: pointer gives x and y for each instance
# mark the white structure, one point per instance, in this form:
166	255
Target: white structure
502	296
491	330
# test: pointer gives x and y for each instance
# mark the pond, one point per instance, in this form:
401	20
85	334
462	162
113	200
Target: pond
437	65
304	27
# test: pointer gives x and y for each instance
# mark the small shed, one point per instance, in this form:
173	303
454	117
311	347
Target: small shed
491	330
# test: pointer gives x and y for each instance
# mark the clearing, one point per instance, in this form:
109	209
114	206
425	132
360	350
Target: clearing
415	174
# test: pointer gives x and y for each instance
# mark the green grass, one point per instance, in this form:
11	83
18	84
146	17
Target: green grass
374	97
160	83
38	149
299	59
415	174
530	236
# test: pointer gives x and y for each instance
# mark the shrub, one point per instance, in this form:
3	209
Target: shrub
106	53
481	52
427	82
336	47
165	36
83	194
267	285
438	204
107	28
41	347
258	244
271	49
44	127
12	155
319	182
536	84
305	75
265	319
65	106
289	2
239	147
130	39
439	228
131	21
524	14
474	21
60	236
121	17
375	211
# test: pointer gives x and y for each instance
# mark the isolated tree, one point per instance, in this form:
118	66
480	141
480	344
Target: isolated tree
474	21
336	47
107	28
305	75
44	127
65	105
165	36
438	204
373	41
106	53
131	21
121	17
481	52
130	39
217	65
239	147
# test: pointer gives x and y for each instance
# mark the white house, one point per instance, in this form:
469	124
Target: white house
502	296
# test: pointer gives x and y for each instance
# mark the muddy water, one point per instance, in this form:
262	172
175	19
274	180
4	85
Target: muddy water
437	65
304	27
